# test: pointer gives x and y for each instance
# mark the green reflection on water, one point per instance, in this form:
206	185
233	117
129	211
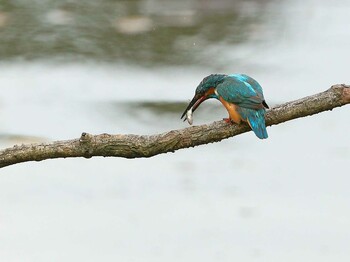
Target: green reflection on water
117	31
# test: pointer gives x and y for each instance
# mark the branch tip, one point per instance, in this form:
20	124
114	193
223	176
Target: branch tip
346	94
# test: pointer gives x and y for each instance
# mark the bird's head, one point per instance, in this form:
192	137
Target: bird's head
204	91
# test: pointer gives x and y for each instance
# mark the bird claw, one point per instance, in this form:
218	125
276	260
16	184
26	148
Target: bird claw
227	120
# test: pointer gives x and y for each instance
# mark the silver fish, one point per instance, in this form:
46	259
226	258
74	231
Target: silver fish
189	116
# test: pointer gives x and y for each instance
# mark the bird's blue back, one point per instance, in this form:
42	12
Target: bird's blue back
247	94
241	90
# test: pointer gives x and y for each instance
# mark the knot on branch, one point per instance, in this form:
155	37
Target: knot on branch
85	141
85	138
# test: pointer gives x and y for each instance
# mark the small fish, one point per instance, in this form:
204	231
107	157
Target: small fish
189	116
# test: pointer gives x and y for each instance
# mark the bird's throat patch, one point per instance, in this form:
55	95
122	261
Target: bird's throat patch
210	91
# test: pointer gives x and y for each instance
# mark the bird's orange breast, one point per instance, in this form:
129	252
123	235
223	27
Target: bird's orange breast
232	111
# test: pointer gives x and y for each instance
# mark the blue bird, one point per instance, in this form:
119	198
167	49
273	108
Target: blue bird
241	95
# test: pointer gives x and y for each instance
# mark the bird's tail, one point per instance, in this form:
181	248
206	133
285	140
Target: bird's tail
256	120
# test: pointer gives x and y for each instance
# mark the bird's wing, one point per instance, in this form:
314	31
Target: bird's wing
241	90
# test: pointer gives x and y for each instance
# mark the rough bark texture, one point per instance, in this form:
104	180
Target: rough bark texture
134	146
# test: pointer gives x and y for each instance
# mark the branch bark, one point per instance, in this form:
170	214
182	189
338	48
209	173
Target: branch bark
136	146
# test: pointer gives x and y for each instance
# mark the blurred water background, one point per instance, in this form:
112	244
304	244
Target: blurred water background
131	67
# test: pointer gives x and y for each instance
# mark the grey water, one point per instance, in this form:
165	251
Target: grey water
123	67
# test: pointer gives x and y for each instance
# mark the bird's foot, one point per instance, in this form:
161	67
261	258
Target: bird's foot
228	121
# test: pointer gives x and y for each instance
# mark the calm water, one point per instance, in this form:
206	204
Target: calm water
131	67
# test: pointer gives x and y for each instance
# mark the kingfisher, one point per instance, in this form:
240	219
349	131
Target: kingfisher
241	95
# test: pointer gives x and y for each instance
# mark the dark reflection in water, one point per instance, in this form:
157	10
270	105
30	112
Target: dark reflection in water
142	32
161	110
164	109
158	108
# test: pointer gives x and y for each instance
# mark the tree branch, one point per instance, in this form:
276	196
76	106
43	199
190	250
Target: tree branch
135	146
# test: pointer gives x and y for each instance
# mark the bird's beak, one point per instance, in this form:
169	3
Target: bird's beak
195	102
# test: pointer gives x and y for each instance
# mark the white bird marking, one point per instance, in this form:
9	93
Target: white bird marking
216	92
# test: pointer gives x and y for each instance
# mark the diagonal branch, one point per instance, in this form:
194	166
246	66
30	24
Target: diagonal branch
135	146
